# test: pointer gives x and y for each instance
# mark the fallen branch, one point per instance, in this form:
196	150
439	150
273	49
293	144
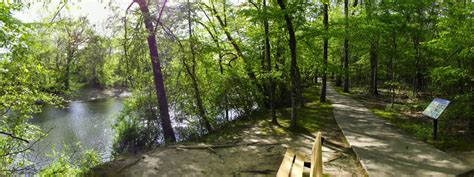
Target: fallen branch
258	171
222	145
212	150
129	164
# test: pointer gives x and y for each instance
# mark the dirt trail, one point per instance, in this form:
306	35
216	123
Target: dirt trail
255	154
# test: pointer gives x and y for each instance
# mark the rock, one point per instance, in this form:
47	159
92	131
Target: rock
40	102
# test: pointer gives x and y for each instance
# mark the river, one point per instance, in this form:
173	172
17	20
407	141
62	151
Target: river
87	122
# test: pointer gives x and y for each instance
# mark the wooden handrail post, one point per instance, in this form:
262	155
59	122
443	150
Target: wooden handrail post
317	159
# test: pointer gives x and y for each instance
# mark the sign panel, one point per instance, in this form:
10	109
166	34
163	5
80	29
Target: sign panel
436	107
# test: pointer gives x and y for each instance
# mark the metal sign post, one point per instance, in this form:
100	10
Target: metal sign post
435	129
434	110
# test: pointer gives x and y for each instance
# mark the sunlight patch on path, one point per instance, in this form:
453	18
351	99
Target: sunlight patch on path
385	150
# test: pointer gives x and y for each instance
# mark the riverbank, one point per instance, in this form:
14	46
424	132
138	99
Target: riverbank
250	146
90	94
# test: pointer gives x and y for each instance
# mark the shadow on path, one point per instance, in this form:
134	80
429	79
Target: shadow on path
383	149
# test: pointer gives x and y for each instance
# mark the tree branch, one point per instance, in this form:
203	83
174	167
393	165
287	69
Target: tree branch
30	146
161	11
57	13
159	17
14	137
255	5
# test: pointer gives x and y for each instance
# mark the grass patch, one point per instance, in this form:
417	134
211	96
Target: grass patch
420	129
340	91
313	117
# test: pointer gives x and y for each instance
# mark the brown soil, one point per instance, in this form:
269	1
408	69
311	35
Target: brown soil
252	153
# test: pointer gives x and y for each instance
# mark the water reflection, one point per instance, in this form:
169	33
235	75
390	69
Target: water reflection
87	122
90	123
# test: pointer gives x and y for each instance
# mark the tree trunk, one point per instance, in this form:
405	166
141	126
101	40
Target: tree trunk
168	132
283	94
373	54
192	73
125	59
346	47
95	78
338	79
294	66
392	68
68	65
417	80
299	89
373	68
269	65
325	53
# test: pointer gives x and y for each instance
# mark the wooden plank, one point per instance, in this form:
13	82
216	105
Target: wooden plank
317	158
287	162
298	165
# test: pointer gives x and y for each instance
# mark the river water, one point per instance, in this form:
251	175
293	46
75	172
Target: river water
87	122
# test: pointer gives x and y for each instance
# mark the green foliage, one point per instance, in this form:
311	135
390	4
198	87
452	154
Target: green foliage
136	127
460	112
63	163
449	79
20	90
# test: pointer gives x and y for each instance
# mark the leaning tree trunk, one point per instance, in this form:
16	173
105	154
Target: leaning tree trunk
221	56
192	73
168	132
233	42
325	53
294	66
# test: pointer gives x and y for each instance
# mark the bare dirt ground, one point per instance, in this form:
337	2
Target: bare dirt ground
252	153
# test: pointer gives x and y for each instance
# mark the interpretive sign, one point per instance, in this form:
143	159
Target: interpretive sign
436	107
434	110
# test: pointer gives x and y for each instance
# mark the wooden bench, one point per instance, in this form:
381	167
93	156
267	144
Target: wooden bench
293	162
